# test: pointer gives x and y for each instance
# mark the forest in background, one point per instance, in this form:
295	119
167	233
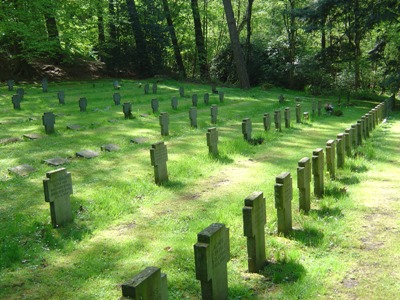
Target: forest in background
312	45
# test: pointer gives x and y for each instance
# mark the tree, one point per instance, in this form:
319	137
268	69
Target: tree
199	38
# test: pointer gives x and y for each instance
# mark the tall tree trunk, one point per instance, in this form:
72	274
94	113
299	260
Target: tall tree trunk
290	24
175	45
237	50
52	31
248	36
200	45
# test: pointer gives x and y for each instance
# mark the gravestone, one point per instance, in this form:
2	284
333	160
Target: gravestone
117	98
340	150
211	254
74	127
146	88
116	85
57	190
193	117
174	103
283	202
150	284
154	88
303	183
139	140
277	120
313	108
88	154
10	85
347	141
206	98
32	136
154	105
109	147
354	128
366	121
22	170
56	161
127	110
159	158
331	158
221	96
9	140
359	133
214	88
16	101
48	120
194	100
374	119
319	107
214	114
164	123
181	91
212	141
287	117
61	97
246	129
298	113
267	122
318	172
21	93
254	219
281	99
82	104
44	85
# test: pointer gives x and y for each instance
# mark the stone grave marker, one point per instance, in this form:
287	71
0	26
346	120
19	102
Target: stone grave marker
319	108
32	136
117	98
313	108
16	101
267	121
193	117
254	219
21	93
194	100
287	117
22	170
48	121
174	103
212	141
347	141
139	140
283	202
87	154
214	89
367	128
10	85
127	110
298	113
109	147
57	191
74	127
331	158
214	114
61	97
318	172
303	183
364	128
211	253
181	91
359	133
164	123
9	140
154	105
246	129
340	150
206	98
159	158
150	284
56	161
354	135
221	95
277	120
82	104
116	85
146	88
44	85
154	88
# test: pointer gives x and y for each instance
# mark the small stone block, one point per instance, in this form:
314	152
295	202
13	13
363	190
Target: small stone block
32	136
109	147
139	140
87	154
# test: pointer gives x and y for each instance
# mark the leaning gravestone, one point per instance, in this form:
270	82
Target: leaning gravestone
283	202
146	88
164	123
212	141
303	183
206	98
211	253
193	117
174	103
57	190
277	120
61	97
181	91
330	158
44	85
16	101
194	100
48	120
154	88
319	107
221	96
340	150
82	104
347	141
287	117
116	85
127	110
10	85
254	219
21	93
154	105
298	113
246	129
150	284
318	172
117	98
214	114
159	158
267	122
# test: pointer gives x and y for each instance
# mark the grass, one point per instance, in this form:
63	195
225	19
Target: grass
123	222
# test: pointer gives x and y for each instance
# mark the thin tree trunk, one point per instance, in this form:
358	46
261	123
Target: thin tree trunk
248	22
237	50
100	27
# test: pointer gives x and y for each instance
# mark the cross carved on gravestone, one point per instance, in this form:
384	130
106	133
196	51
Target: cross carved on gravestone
154	105
164	123
212	141
283	202
117	98
214	114
303	183
57	190
159	158
246	129
254	219
82	104
61	97
48	120
193	117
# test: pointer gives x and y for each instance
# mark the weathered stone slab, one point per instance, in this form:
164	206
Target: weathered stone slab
283	202
194	100
298	113
214	114
139	140
82	104
221	95
127	110
164	123
22	170
9	140
287	117
87	154
212	141
33	136
117	98
331	158
254	219
159	158
109	147
174	103
303	184
48	121
61	97
74	127
247	129
340	150
347	141
277	120
154	105
206	98
318	172
16	101
56	161
193	117
212	253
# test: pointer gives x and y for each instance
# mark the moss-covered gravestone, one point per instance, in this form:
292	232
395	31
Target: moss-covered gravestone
127	110
283	202
154	105
221	95
365	127
277	120
150	284
359	133
194	100
347	141
44	85
10	85
164	123
340	150
298	113
303	183
117	98
254	219
214	114
267	121
82	104
146	88
354	135
21	93
174	103
16	101
211	253
154	88
212	141
182	91
287	117
331	158
159	158
246	129
61	97
116	85
48	121
318	172
57	191
193	117
206	98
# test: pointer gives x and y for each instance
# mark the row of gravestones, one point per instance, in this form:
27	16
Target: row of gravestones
11	83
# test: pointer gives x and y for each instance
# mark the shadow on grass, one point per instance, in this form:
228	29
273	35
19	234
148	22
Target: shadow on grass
358	168
349	180
326	212
174	184
223	159
283	272
336	191
308	236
